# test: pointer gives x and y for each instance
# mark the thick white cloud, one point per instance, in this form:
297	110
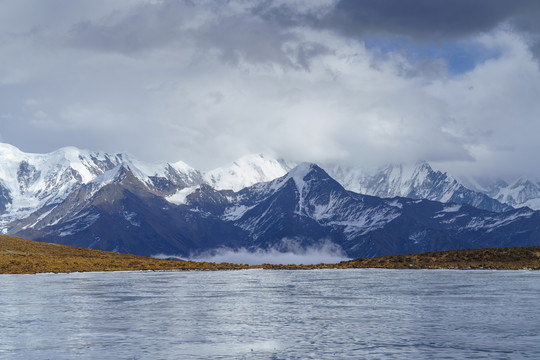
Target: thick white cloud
495	110
211	82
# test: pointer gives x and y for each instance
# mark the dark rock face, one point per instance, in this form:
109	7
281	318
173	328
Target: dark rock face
5	198
175	180
26	175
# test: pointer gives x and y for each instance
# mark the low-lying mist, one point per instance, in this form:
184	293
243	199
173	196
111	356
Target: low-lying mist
288	251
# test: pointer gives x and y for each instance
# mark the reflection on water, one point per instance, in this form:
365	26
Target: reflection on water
256	314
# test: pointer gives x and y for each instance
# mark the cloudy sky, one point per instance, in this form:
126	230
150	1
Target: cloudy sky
362	82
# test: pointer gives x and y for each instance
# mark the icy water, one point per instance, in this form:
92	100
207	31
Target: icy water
256	314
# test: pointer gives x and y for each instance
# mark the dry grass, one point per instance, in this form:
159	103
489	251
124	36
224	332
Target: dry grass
19	256
495	258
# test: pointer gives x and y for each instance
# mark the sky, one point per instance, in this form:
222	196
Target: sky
355	82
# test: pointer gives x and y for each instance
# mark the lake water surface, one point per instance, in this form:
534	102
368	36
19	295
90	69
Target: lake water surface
257	314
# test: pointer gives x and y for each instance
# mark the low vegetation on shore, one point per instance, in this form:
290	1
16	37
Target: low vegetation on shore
19	256
512	258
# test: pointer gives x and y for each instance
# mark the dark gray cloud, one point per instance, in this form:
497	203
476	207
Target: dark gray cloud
236	35
264	32
529	23
421	19
432	20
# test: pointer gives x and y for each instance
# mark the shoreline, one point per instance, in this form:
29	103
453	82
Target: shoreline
19	256
263	269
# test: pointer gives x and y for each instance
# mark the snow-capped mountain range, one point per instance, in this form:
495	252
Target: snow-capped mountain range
30	182
521	192
116	202
306	203
419	181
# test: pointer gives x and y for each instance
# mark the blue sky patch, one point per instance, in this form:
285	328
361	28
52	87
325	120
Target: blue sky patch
460	56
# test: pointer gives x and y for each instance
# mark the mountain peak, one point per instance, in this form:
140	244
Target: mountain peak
252	158
246	171
302	169
521	182
70	151
120	174
301	175
182	166
7	150
109	176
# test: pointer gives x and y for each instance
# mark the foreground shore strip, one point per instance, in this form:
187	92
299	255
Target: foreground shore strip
19	256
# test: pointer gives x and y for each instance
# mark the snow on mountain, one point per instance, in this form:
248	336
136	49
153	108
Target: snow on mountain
306	194
30	182
417	181
247	171
108	177
307	204
115	202
520	193
35	183
297	174
180	197
387	181
165	178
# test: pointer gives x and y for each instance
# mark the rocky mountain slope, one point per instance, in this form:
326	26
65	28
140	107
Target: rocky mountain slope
307	204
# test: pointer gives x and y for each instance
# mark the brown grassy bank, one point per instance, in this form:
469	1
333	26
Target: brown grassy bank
494	258
18	256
